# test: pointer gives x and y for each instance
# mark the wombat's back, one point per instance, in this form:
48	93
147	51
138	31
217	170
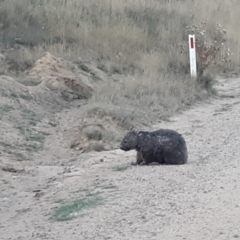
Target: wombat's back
166	132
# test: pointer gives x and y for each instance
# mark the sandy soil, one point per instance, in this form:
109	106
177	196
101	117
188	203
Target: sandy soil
199	200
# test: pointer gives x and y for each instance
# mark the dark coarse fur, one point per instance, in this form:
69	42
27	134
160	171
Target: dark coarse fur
163	146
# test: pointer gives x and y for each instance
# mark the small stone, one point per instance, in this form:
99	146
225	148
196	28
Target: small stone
67	170
236	236
9	169
101	160
39	195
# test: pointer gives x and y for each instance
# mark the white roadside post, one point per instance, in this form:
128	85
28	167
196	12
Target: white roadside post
192	56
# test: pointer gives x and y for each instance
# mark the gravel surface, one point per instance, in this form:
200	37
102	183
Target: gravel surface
199	200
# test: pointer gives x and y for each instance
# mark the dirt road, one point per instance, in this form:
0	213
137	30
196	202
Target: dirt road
100	196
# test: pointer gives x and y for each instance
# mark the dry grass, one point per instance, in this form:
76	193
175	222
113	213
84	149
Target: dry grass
140	39
130	33
142	99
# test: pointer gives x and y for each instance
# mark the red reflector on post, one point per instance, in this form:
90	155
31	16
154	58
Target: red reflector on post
191	43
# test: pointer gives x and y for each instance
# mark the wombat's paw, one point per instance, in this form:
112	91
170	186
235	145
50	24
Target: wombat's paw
142	164
134	163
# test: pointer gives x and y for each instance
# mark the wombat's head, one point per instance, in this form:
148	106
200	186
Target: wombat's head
129	142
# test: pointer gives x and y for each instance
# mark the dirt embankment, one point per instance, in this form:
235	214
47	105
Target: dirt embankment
47	108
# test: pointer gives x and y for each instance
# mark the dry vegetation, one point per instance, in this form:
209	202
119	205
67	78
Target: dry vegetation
142	41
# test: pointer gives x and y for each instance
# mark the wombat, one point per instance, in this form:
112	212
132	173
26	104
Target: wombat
163	146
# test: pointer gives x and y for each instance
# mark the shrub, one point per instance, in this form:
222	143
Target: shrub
211	49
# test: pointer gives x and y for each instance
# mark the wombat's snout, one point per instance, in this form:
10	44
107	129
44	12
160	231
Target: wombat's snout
121	147
124	148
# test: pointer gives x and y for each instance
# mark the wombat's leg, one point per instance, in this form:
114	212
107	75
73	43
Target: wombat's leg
133	163
139	159
147	157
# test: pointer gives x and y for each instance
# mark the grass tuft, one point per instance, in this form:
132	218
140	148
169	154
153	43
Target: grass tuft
69	210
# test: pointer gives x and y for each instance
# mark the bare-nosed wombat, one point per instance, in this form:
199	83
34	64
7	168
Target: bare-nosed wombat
163	146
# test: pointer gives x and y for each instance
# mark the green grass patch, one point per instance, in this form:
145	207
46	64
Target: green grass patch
70	210
25	97
13	95
6	145
224	108
36	138
110	187
28	114
121	168
6	108
23	129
